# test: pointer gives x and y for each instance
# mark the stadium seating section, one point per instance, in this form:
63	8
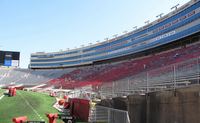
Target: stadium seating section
111	72
97	74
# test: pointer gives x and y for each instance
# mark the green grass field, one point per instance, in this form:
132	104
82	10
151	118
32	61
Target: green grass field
1	92
31	104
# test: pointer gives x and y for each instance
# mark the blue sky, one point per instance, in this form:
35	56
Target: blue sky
50	25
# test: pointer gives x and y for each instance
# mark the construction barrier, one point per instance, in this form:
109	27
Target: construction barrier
21	119
52	117
61	102
80	108
12	91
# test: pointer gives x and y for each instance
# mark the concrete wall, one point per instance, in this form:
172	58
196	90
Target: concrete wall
137	108
179	106
117	103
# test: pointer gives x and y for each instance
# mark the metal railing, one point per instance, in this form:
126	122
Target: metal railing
173	76
102	114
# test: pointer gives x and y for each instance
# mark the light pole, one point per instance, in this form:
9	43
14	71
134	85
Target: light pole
115	36
125	32
175	7
106	39
147	22
160	15
135	27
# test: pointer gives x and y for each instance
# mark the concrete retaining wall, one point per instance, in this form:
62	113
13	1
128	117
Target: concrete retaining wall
137	108
179	106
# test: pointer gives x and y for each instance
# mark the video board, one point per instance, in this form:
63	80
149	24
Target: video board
9	58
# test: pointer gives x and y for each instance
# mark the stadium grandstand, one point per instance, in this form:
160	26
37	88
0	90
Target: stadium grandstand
162	55
171	27
172	39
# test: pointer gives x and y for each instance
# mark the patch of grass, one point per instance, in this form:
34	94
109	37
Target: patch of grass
1	90
21	104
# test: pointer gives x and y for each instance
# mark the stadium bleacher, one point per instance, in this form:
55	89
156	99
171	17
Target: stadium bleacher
111	72
99	74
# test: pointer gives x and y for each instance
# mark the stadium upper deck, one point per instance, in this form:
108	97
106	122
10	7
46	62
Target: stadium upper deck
178	24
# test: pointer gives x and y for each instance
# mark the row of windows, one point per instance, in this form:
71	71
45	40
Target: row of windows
132	50
132	43
154	27
174	22
137	46
158	25
56	54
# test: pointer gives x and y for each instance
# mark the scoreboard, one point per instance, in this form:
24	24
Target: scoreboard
9	58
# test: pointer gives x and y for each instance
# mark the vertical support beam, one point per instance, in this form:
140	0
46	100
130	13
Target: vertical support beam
95	114
147	108
128	86
113	87
174	76
147	82
108	115
198	70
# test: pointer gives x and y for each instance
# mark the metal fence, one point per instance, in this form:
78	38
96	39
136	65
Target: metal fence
174	76
102	114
